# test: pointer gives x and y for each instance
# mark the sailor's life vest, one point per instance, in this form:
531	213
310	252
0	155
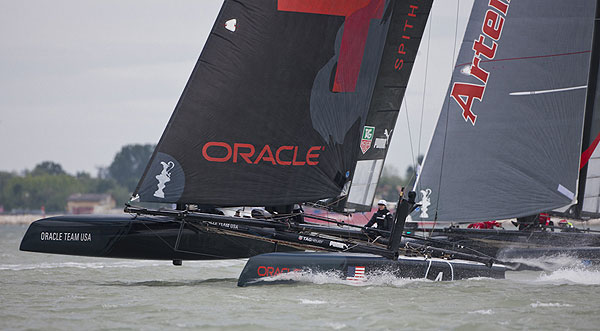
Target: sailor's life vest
383	218
565	224
544	219
484	225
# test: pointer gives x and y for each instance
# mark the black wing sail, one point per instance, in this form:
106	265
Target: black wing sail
508	140
275	106
404	37
588	203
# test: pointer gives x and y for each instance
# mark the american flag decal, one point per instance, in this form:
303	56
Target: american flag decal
356	274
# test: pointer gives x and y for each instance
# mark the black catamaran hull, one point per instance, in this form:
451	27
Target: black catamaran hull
507	244
358	267
141	237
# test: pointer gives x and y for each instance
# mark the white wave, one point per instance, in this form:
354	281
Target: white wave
334	277
216	263
572	276
482	312
479	278
550	304
551	263
326	277
78	265
336	326
109	306
120	264
312	302
241	297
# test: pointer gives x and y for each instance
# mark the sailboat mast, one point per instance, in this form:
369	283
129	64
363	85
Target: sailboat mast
588	134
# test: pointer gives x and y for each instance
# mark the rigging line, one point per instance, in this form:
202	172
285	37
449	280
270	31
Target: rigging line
222	234
327	205
526	57
333	202
177	249
278	217
233	238
446	125
414	173
425	84
412	152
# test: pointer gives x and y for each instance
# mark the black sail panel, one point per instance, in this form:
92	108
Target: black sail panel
402	43
508	140
275	105
588	203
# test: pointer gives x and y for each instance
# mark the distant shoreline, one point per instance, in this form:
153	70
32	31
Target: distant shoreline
26	219
23	219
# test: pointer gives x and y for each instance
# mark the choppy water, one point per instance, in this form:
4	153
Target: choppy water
64	292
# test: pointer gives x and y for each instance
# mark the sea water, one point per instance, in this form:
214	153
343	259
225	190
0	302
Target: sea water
41	291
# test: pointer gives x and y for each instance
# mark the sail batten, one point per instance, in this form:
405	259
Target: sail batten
549	91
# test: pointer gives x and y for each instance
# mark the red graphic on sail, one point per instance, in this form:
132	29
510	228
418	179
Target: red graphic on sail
358	14
587	154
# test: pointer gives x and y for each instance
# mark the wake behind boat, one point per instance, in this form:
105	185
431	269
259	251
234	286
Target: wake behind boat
532	242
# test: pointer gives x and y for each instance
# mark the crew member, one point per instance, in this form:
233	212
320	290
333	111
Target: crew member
484	225
382	217
526	223
566	226
535	222
545	220
298	213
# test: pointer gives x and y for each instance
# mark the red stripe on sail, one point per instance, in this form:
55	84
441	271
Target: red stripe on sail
585	156
325	7
358	14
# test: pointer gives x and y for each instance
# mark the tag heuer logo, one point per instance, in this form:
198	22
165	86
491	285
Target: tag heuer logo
368	132
367	138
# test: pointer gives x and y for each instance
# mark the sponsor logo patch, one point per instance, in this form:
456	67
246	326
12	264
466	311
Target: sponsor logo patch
163	178
484	47
217	151
367	138
267	271
425	202
231	25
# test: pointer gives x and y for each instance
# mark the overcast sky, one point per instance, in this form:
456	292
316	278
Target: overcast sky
80	79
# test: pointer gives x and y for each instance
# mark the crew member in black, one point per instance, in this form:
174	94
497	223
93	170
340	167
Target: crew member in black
383	217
